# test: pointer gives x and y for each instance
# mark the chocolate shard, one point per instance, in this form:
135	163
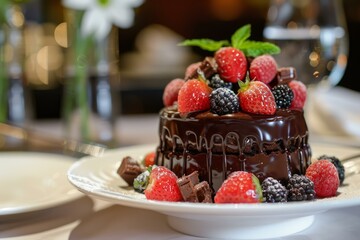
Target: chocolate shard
208	67
129	169
194	177
286	74
186	185
203	192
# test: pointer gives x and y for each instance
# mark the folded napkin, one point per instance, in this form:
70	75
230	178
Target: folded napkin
334	111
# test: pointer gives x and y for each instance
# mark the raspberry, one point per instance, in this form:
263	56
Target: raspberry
194	95
263	68
223	101
338	164
300	188
299	90
256	97
239	187
171	91
283	96
232	64
325	177
217	82
273	191
162	185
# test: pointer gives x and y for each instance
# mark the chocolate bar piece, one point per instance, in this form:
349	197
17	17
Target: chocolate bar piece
186	185
286	74
208	68
203	192
129	169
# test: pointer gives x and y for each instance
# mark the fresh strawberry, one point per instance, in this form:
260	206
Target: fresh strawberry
240	187
194	96
171	91
256	97
149	159
162	185
299	90
263	68
325	177
232	64
191	69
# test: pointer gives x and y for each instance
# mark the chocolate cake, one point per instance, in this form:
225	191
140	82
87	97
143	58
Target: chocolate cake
235	111
215	146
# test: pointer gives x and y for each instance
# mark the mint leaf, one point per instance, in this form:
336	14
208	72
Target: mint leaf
254	48
240	36
206	44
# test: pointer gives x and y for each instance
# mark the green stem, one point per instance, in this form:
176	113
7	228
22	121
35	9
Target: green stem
3	75
82	51
76	91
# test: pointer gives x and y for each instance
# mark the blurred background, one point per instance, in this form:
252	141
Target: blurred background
148	53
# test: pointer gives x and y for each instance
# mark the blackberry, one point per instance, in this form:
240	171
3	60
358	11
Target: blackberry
283	96
273	191
338	164
217	82
300	188
223	101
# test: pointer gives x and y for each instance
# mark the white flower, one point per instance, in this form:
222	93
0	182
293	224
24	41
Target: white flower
101	14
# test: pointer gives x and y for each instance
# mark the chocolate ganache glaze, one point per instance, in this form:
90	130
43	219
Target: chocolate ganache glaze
268	146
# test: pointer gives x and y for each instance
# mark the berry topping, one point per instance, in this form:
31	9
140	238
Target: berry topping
162	185
142	180
149	159
325	177
232	64
239	187
338	164
194	96
223	101
283	96
263	68
273	191
300	188
256	97
217	82
171	91
299	90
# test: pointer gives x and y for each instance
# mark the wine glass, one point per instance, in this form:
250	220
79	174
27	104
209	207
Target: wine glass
313	37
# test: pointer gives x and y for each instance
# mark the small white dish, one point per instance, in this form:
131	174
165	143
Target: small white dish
34	181
97	177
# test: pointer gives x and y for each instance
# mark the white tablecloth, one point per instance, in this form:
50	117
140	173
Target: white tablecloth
88	219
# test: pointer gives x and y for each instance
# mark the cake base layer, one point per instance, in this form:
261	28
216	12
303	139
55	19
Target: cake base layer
268	146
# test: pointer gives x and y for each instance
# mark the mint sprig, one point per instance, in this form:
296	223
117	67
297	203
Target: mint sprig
239	40
240	36
254	48
205	43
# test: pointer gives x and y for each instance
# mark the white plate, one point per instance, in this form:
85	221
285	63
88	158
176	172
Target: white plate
98	177
34	181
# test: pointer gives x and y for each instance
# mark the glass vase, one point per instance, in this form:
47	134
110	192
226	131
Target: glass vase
89	100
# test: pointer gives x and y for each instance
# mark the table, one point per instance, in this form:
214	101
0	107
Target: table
89	218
